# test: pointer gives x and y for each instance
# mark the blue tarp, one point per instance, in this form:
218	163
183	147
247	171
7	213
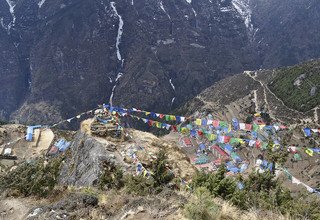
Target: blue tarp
62	145
234	170
268	128
307	132
202	147
254	134
266	165
30	129
139	167
29	133
235	124
316	150
230	165
228	149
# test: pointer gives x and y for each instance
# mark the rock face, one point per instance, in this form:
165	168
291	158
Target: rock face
60	58
83	166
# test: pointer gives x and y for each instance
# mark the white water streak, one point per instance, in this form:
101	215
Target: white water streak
114	87
118	41
170	81
194	12
243	8
164	10
120	29
174	89
172	101
11	8
41	3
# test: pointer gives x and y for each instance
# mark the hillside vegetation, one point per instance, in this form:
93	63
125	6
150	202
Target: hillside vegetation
298	86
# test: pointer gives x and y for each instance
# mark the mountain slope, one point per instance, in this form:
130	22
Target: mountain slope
68	56
290	94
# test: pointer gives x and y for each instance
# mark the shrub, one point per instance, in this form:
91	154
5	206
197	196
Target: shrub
216	183
160	172
202	207
111	177
3	122
139	185
278	156
160	176
33	178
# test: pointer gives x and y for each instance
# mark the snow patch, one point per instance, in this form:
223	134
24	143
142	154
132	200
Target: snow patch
165	42
164	10
41	3
2	24
197	45
225	9
120	29
194	11
243	8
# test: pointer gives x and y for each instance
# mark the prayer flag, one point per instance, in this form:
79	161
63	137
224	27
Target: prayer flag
216	123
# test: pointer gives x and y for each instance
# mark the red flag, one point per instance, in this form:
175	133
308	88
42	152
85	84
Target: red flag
258	144
248	127
174	128
227	139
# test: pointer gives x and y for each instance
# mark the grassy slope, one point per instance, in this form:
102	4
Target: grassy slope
298	97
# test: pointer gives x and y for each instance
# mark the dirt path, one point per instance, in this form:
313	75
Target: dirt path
316	117
255	100
14	208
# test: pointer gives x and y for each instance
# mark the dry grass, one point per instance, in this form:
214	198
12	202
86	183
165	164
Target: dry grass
230	212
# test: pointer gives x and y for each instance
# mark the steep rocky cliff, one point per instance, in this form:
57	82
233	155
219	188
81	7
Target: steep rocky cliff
62	57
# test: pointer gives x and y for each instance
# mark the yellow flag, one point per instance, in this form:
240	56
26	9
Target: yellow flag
198	122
